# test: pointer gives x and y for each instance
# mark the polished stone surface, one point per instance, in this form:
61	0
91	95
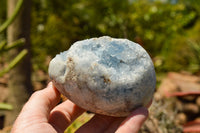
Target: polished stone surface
105	75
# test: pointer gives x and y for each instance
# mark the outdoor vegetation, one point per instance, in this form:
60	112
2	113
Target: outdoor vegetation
168	29
162	28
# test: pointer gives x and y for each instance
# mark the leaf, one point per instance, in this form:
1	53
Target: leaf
14	62
5	106
11	19
17	43
2	45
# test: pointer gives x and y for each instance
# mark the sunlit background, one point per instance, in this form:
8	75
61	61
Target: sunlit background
168	29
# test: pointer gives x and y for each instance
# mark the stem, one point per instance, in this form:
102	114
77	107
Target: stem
5	106
14	62
2	45
11	19
4	48
15	44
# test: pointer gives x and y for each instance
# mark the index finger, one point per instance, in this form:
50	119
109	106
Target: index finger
64	114
133	123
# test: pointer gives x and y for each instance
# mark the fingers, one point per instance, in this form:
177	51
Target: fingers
42	102
133	123
99	124
37	109
64	114
108	124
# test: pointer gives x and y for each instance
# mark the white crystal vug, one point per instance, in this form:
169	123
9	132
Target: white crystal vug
105	75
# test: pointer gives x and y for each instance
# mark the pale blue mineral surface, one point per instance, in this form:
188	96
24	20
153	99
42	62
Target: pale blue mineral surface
105	75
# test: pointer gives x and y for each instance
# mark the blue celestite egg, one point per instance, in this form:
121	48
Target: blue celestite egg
105	75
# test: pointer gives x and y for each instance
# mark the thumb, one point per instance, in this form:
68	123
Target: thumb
133	123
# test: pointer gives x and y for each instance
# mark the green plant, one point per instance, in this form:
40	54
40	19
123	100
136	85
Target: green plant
5	106
9	21
4	47
85	117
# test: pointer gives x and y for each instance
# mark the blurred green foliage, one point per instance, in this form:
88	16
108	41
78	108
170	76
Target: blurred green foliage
4	47
2	16
163	27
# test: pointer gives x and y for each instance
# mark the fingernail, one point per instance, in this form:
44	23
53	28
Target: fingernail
50	84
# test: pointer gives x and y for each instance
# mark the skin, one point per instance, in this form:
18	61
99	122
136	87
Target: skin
43	114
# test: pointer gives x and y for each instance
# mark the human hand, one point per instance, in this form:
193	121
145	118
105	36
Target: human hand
41	115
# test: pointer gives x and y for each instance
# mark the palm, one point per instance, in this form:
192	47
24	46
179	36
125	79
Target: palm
41	115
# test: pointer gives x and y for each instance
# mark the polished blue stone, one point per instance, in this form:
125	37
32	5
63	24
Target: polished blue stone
105	75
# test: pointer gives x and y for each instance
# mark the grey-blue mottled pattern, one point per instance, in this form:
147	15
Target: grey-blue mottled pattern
105	75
